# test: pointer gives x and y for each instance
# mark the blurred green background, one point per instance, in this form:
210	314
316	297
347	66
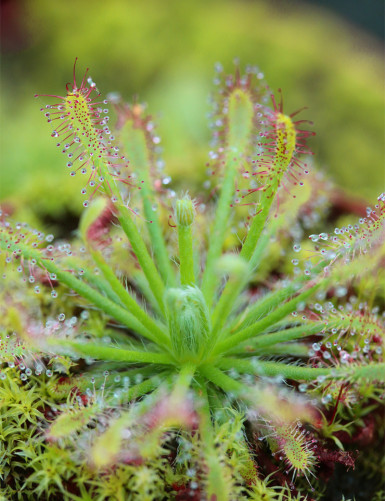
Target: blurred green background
164	53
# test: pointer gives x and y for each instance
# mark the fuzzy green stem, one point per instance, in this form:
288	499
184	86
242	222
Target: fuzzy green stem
218	232
92	278
141	252
101	352
219	378
124	295
186	258
234	287
142	285
217	487
273	369
283	336
134	138
261	307
157	241
238	139
286	349
142	388
257	227
264	323
184	379
266	304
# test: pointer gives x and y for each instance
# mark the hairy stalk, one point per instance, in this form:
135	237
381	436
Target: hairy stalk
184	212
100	352
240	121
278	314
134	136
281	336
125	296
273	369
141	252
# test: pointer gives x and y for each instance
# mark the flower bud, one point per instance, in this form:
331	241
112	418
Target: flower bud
184	212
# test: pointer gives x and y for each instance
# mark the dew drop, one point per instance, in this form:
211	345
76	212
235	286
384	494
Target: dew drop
326	399
84	315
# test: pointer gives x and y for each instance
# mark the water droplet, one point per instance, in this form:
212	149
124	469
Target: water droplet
48	373
326	399
296	248
340	291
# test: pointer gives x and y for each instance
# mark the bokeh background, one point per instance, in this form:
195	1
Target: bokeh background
325	55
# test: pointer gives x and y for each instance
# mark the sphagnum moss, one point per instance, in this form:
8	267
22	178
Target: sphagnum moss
176	350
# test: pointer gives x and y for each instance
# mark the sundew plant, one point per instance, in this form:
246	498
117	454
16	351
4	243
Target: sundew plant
219	345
